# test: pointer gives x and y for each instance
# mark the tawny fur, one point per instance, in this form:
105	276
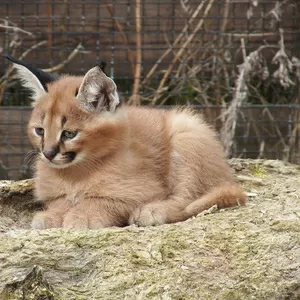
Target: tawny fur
138	165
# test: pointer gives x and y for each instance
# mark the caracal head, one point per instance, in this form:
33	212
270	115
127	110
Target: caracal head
75	120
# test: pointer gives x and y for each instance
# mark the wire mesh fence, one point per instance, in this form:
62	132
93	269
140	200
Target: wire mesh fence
217	54
158	50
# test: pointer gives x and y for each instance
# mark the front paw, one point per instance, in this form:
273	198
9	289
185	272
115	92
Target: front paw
76	221
81	221
44	220
148	215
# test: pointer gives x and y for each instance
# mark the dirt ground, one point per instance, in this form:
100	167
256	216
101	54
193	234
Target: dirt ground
240	253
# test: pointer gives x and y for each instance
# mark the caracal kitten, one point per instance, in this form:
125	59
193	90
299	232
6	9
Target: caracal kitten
104	164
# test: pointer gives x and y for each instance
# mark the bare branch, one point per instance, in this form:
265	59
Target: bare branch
181	51
177	40
135	98
16	29
285	64
58	67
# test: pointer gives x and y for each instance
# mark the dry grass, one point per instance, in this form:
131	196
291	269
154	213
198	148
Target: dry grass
184	81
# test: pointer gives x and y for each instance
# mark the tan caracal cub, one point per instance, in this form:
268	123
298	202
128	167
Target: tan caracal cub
105	164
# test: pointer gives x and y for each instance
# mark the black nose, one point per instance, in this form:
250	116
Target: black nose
50	152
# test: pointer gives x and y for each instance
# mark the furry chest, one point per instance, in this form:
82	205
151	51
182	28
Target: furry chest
74	196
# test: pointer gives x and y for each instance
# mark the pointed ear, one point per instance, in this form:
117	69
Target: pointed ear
98	92
34	79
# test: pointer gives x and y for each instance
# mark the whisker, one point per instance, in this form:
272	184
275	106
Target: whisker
30	156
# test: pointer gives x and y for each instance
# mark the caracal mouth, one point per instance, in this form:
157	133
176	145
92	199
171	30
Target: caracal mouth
62	161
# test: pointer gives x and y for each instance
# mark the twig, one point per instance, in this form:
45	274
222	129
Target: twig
261	149
123	35
240	95
5	21
58	67
267	110
181	51
276	13
244	178
169	50
294	134
224	21
135	98
16	29
250	35
285	65
24	54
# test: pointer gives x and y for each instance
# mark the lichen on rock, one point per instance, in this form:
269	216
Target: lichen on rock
33	286
251	252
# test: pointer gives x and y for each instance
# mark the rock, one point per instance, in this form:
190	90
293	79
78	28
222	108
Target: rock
239	253
33	286
20	189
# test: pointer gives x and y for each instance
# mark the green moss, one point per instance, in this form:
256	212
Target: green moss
257	171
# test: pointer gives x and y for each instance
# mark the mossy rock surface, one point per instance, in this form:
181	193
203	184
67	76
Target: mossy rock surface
240	253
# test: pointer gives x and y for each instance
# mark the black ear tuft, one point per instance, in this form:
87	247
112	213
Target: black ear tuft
102	66
42	76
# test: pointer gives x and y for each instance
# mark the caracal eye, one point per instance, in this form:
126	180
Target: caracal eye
68	134
39	131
